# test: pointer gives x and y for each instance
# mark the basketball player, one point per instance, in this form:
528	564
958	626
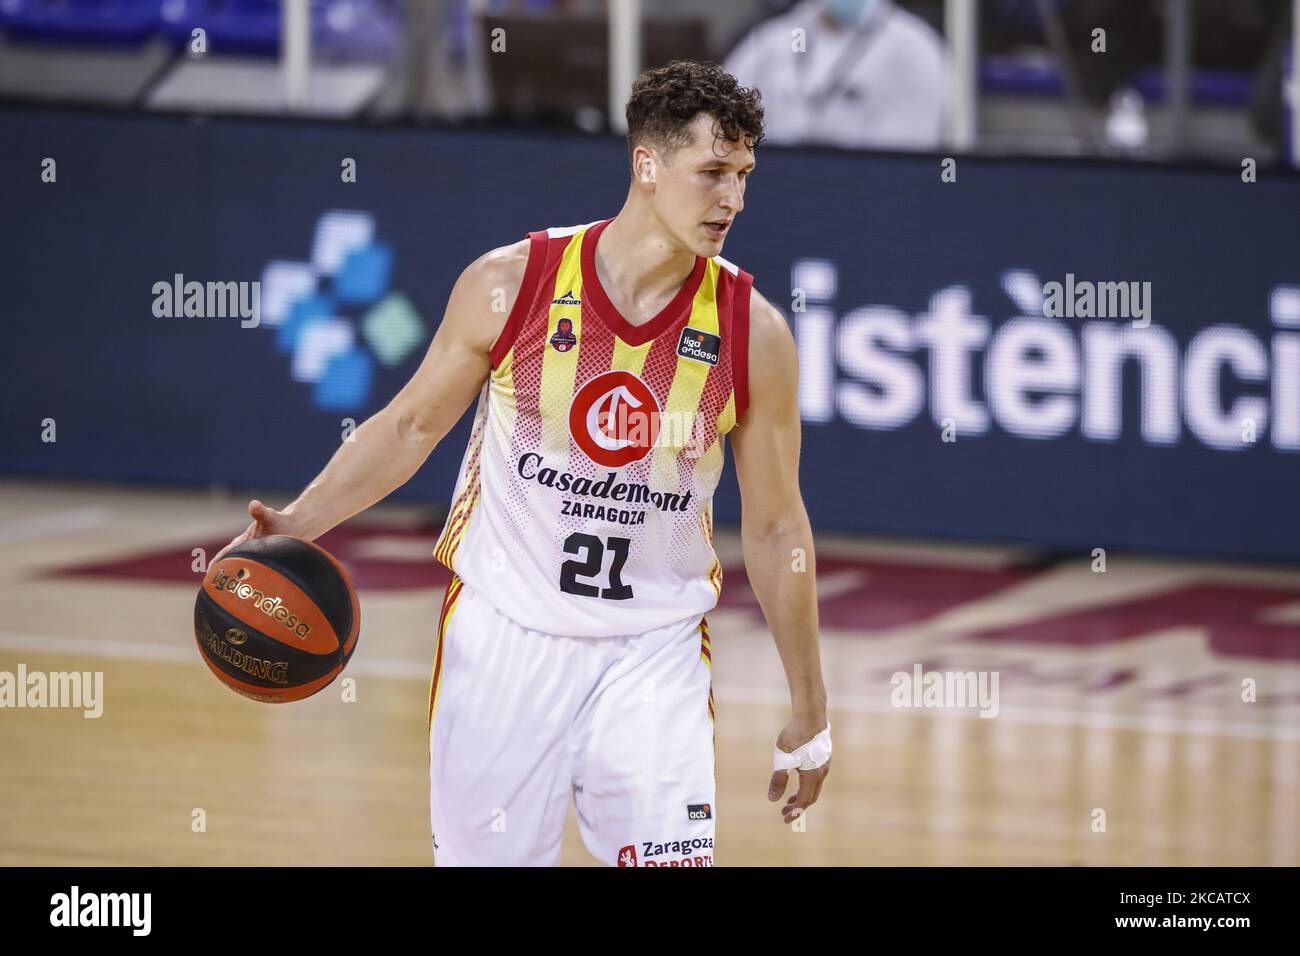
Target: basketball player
609	361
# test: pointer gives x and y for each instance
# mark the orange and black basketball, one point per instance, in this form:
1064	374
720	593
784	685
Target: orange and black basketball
277	619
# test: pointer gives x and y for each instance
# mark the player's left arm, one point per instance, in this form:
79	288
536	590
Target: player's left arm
776	537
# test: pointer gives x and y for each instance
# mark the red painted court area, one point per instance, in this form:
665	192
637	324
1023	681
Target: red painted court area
866	594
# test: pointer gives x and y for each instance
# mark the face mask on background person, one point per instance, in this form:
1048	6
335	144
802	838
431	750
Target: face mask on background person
850	12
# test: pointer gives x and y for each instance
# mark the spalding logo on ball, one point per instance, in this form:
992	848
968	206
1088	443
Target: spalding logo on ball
277	619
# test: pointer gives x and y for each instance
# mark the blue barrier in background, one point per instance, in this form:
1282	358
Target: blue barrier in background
916	304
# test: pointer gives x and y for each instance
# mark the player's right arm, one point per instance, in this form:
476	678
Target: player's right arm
390	446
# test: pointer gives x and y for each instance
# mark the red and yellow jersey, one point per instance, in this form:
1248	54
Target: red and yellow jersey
583	506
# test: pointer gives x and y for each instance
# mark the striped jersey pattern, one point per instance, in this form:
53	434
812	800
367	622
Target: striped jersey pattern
583	505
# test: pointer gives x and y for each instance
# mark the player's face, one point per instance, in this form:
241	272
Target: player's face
701	189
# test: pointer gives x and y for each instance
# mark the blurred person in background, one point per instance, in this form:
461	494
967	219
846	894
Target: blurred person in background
863	73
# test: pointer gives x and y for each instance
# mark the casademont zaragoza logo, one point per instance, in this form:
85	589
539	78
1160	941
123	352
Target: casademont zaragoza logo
614	419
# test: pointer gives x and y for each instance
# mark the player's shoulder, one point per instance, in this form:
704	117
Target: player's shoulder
766	322
506	266
772	359
492	295
764	317
484	294
733	280
501	267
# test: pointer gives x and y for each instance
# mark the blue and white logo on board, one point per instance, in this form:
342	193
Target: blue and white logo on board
335	314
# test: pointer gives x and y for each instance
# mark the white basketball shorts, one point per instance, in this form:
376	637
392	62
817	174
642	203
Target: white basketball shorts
520	720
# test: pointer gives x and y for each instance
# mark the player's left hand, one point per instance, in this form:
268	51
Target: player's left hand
803	744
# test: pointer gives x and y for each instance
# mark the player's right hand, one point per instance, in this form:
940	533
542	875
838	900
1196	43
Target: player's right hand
265	521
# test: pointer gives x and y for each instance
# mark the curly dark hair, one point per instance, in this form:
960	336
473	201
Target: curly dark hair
665	100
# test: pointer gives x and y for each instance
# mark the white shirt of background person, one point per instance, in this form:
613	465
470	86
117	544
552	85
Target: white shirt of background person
871	75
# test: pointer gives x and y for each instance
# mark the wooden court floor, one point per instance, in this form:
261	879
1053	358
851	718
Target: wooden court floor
1121	735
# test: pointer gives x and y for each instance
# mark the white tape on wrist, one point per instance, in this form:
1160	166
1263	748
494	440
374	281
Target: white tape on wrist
810	756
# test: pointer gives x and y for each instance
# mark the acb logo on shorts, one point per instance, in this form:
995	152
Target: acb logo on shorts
699	811
614	418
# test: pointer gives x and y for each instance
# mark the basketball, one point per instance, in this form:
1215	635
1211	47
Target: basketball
277	619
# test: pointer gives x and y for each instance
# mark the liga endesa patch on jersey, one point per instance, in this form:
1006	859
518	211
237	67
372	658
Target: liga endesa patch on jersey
700	346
